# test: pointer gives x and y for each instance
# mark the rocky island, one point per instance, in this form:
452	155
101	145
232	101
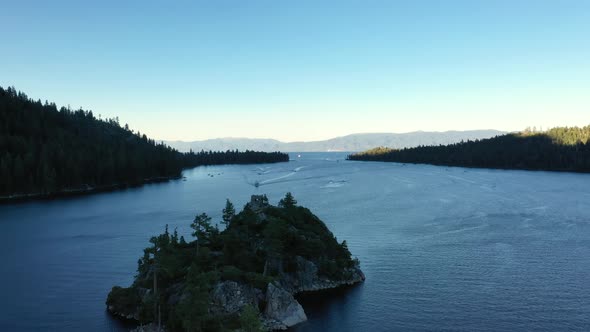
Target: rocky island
243	277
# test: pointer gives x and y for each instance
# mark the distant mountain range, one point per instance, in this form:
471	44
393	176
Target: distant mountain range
350	143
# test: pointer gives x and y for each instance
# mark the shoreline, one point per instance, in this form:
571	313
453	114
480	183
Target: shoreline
87	190
478	167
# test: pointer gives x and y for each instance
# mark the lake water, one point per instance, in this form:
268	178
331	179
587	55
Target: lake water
442	248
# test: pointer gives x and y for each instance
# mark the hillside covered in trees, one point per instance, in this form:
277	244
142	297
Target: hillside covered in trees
242	277
557	149
46	150
192	159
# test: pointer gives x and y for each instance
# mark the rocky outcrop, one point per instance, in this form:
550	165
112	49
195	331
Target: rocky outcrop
122	302
279	307
134	315
282	310
306	278
229	297
149	328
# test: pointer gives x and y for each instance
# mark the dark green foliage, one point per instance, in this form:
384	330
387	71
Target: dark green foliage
298	232
558	149
252	278
254	249
191	159
249	320
288	201
228	212
124	300
191	311
230	272
203	230
45	150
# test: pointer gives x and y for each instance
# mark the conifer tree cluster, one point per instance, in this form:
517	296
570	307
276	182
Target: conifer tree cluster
45	149
557	149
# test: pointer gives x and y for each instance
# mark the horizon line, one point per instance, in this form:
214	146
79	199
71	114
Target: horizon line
327	139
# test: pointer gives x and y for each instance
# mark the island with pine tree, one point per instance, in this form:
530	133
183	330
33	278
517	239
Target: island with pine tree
243	277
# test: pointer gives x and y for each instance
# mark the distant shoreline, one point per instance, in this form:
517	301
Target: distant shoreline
476	167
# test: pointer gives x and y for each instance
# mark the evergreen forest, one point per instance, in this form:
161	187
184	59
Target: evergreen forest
45	150
557	149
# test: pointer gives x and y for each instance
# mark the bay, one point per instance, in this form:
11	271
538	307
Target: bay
443	248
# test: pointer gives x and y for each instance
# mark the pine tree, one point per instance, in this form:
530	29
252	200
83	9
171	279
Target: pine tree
249	320
228	212
288	202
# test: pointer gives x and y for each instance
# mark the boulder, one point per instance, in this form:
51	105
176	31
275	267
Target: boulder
282	308
229	297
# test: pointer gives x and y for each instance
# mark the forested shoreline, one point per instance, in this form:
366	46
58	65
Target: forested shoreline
46	151
558	149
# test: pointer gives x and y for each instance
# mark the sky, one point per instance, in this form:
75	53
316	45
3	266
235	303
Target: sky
304	70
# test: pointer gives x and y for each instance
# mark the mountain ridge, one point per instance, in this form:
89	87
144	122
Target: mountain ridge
349	143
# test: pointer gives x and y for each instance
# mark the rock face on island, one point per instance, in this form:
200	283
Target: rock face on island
244	277
282	310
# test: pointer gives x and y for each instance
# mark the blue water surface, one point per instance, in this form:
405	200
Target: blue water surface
443	248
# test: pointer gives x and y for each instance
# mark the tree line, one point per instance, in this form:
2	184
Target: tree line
232	157
557	149
45	149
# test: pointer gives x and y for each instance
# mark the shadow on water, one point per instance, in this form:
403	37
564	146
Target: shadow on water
338	304
118	323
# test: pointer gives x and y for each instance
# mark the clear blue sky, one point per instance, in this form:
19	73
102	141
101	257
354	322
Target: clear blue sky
304	70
